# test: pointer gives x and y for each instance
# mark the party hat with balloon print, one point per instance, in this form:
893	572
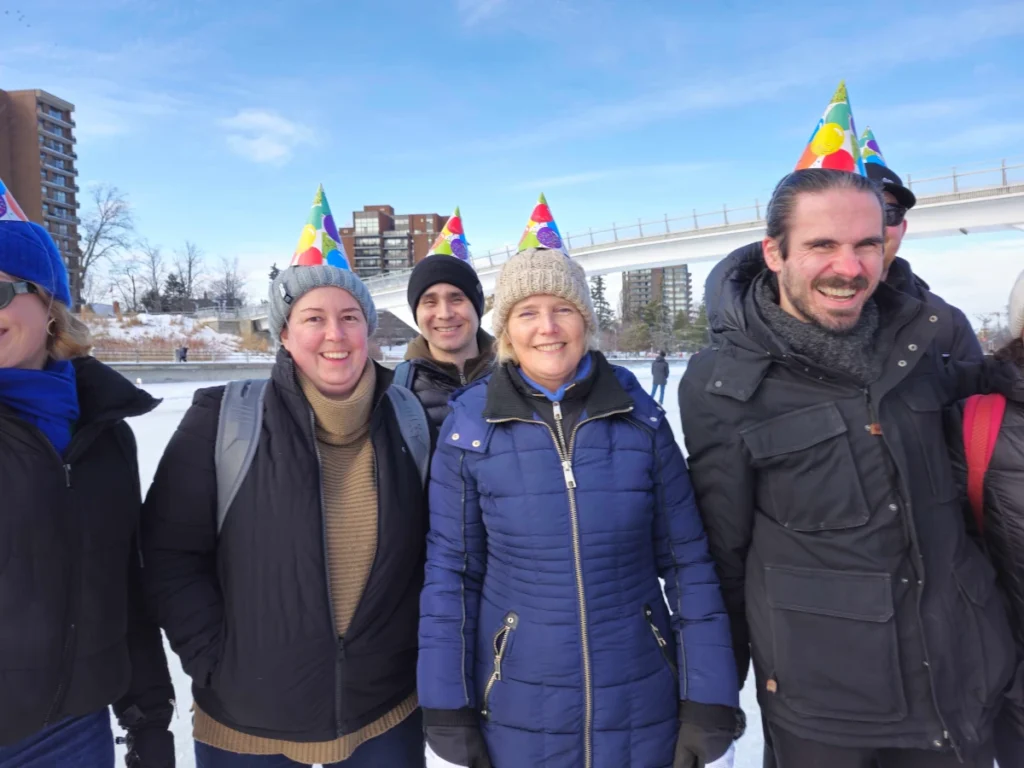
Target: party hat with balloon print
833	143
541	230
9	208
320	242
452	240
869	150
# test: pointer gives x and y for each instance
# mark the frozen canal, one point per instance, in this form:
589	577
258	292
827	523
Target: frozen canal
154	430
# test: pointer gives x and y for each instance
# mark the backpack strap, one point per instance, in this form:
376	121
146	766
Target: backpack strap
983	416
413	424
404	373
238	437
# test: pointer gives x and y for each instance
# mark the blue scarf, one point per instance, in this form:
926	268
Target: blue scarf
582	371
47	398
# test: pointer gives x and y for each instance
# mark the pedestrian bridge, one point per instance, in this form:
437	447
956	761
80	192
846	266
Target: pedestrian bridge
959	203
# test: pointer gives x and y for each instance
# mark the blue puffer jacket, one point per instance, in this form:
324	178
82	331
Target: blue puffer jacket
542	606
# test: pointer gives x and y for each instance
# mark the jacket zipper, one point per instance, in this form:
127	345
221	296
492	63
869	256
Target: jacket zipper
875	428
501	638
565	457
659	638
339	656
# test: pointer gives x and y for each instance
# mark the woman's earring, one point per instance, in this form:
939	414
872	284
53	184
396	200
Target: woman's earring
49	327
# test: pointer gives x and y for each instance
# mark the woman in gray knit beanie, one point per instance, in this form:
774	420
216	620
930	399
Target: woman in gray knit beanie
558	497
295	606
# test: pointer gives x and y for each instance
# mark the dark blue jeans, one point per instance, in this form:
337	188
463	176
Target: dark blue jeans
81	742
401	747
661	400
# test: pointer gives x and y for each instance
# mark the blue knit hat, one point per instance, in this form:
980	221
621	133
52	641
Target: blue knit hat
28	252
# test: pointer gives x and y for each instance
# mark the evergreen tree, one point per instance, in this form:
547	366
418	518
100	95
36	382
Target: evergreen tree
605	314
176	298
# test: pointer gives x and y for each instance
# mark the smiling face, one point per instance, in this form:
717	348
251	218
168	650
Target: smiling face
447	319
549	337
834	260
23	330
326	335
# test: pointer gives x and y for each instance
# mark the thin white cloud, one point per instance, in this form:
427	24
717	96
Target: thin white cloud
575	179
474	12
935	37
264	136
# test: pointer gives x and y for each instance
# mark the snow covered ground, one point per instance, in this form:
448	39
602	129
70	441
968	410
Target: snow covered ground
154	430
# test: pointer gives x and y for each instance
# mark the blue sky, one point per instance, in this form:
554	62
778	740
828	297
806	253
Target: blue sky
219	119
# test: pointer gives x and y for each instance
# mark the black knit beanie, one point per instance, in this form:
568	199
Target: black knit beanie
441	268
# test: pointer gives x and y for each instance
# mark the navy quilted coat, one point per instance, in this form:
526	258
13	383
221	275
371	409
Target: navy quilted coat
542	607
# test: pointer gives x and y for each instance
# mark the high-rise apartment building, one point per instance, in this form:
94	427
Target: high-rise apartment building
381	241
671	286
38	164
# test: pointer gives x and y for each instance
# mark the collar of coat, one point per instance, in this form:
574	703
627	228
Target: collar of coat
498	398
747	348
418	352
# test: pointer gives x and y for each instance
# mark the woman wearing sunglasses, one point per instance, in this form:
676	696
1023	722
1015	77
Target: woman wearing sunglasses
74	638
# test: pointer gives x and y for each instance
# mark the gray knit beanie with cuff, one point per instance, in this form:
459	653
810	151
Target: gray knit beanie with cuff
295	282
542	271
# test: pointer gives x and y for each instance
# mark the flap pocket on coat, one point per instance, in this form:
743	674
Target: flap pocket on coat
794	431
834	644
806	477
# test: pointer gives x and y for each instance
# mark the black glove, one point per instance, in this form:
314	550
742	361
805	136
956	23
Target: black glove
454	736
149	747
705	733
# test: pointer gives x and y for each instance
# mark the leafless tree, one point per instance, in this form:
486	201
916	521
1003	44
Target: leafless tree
228	286
189	266
106	232
128	281
153	262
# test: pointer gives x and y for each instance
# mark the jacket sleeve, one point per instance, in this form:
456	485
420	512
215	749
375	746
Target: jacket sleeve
723	484
450	602
707	672
180	539
149	700
984	377
966	346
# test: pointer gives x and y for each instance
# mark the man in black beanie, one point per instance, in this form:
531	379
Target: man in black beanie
452	350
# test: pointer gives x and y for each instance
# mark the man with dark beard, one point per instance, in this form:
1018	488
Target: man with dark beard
815	437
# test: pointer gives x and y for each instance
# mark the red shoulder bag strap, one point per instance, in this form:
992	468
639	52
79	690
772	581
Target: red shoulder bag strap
983	416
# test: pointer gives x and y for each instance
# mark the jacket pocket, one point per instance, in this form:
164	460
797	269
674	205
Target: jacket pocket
987	653
806	477
834	643
502	645
659	639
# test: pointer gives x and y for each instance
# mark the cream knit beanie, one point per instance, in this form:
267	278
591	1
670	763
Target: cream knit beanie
1017	308
542	271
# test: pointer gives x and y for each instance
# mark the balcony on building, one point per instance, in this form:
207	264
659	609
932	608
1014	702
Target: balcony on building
48	146
56	132
54	114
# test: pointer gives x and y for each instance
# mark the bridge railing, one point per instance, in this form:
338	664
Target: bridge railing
960	179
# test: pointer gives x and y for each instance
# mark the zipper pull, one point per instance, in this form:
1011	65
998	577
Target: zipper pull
570	478
67	475
557	408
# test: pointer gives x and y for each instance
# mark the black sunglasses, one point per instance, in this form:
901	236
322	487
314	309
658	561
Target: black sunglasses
894	215
9	290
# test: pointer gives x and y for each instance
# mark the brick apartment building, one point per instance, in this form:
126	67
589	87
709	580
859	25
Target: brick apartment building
39	164
672	286
381	241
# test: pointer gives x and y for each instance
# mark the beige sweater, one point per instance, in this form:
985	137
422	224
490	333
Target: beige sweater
350	509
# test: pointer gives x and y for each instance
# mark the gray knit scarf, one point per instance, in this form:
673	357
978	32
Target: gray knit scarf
853	352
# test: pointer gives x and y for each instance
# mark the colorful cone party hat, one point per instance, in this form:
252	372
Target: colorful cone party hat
320	242
9	208
541	230
869	150
833	144
452	240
